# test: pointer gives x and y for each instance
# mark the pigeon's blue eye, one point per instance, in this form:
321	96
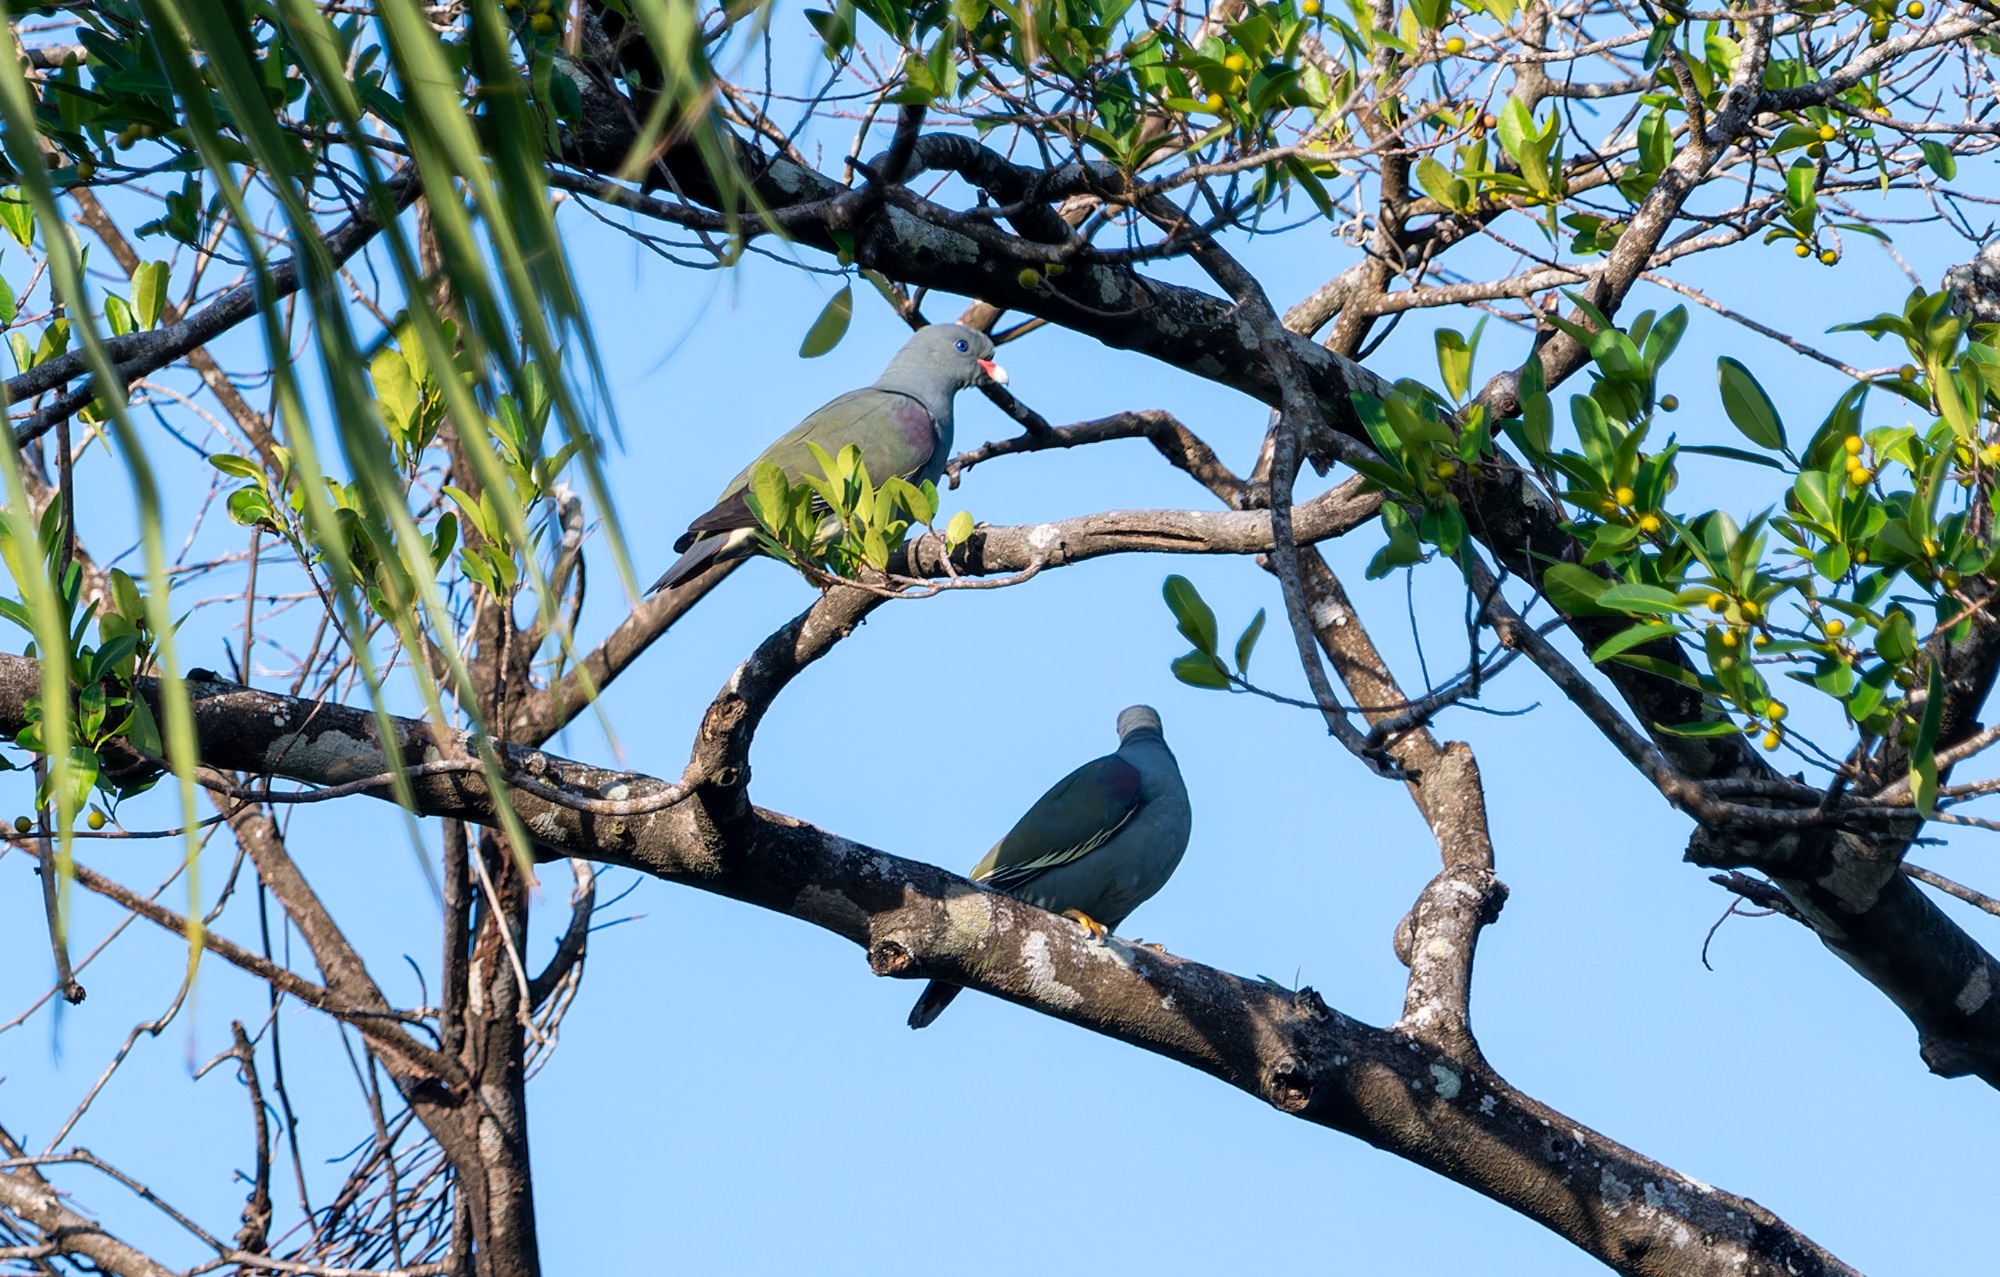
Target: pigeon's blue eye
962	347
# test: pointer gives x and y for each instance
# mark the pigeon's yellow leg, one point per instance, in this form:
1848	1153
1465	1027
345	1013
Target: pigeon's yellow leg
1097	930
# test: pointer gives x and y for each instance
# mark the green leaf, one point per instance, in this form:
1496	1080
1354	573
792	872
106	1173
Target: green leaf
1923	756
236	467
149	293
1195	619
17	216
1248	642
1200	669
1943	163
1574	589
1748	406
118	315
1639	600
959	530
831	325
1640	634
1454	358
1717	727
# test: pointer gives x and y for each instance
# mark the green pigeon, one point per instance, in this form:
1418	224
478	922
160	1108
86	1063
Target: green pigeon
902	424
1095	847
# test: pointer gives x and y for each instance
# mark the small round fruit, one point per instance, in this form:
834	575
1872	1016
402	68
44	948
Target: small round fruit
1853	445
1029	277
85	170
1908	372
1762	640
1649	523
1725	663
1772	739
1625	496
1446	469
1716	602
1914	10
1949	578
1861	555
1816	149
1829	257
1671	403
1835	628
1669	19
1310	8
95	820
1827	133
1861	476
1236	62
1878	31
1729	638
1990	454
1803	250
1489	121
541	24
1777	712
22	824
1455	46
1214	102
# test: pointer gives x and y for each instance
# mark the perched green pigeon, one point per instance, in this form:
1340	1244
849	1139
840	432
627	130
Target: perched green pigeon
902	424
1095	847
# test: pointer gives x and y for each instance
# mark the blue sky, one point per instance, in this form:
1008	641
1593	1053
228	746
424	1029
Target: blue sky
734	1092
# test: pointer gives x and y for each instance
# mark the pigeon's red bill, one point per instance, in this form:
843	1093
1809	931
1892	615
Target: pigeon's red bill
994	372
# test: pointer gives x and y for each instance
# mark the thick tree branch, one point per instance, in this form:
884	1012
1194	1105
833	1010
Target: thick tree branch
1447	1113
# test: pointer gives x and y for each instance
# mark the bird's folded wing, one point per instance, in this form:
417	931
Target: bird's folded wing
1082	813
728	514
894	431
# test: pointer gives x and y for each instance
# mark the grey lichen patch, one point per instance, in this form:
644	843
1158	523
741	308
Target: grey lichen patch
1041	970
1446	1081
545	823
328	757
935	242
1978	988
832	910
969	918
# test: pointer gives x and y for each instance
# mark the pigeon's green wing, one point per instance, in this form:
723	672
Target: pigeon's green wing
1082	813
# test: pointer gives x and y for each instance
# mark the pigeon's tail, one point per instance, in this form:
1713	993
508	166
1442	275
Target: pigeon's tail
706	553
937	996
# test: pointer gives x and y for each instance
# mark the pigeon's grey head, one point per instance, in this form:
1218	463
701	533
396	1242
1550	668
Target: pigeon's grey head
1138	719
946	357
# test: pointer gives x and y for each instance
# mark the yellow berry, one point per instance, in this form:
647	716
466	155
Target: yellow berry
541	24
1215	101
85	170
1236	62
1803	250
1915	9
1861	555
1454	46
1716	602
1929	547
22	824
1762	640
1029	277
1729	638
1816	149
95	820
1853	445
1827	133
1310	8
1669	19
1671	403
1750	609
1878	31
1649	523
1908	372
1835	628
1990	454
1772	739
1446	469
1950	578
1625	496
1725	663
1777	712
1829	257
1861	475
1054	269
